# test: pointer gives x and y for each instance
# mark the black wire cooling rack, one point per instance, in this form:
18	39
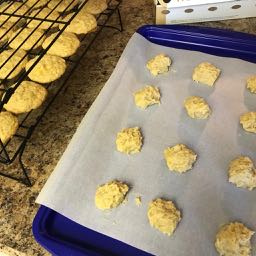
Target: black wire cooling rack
14	148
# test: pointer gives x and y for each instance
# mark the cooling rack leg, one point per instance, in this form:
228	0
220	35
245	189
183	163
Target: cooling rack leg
26	181
120	20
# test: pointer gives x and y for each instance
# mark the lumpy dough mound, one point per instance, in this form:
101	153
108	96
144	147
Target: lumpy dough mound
233	239
110	195
242	173
147	96
251	84
179	158
197	107
248	121
164	216
159	64
129	140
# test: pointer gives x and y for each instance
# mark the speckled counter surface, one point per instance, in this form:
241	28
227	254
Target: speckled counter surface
17	202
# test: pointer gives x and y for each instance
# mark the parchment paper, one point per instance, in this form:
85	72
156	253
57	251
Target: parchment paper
203	194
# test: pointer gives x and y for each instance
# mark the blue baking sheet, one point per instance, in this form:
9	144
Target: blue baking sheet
61	236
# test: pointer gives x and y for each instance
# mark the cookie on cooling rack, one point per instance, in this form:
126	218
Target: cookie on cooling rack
42	14
27	96
47	70
83	23
8	126
95	6
61	6
4	35
26	38
65	46
36	3
18	57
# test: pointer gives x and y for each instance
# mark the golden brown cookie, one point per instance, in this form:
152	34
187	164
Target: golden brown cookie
47	70
8	126
36	3
164	216
27	96
11	63
83	23
65	46
61	6
95	6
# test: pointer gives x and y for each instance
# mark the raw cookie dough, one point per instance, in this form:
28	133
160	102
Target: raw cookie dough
30	36
14	7
197	107
138	200
164	216
47	70
65	46
110	195
242	173
159	64
179	158
206	73
43	15
27	96
147	96
83	23
233	239
8	126
61	6
95	6
251	84
11	63
248	121
129	140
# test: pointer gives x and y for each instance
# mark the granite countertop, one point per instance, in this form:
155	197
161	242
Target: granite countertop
17	202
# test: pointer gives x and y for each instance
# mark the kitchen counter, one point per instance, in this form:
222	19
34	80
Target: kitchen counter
52	136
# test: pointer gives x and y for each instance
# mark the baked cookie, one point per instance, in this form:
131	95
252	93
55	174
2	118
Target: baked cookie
179	158
8	126
65	46
95	6
233	239
43	15
197	107
30	36
36	3
47	70
248	121
27	96
16	59
16	8
129	140
83	23
251	84
147	96
61	6
164	216
206	73
110	195
159	64
242	173
4	35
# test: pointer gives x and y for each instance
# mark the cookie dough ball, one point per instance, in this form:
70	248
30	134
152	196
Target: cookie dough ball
233	239
27	96
197	107
83	23
242	173
129	140
206	73
19	58
8	126
251	84
159	64
95	6
42	15
147	96
179	158
14	7
33	39
47	70
110	195
61	6
248	121
65	46
164	216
